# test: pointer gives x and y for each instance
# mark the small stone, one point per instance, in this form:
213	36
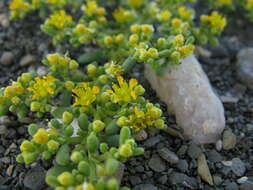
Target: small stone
214	156
5	120
200	51
227	163
169	156
145	187
238	167
242	180
248	185
27	60
229	140
203	170
249	127
181	179
4	20
140	169
218	145
217	180
10	170
7	58
229	100
183	165
135	180
152	141
163	180
141	135
42	71
3	130
182	150
245	66
231	186
34	179
156	164
194	151
187	92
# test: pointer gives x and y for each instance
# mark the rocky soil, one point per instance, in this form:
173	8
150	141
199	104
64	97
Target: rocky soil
170	162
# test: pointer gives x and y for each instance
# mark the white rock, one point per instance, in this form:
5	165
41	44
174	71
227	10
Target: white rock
242	180
187	92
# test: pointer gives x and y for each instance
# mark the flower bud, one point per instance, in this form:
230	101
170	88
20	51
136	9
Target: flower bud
41	136
135	28
122	121
91	70
67	118
29	157
104	147
76	157
133	39
159	123
26	146
92	143
53	145
73	65
84	168
112	184
108	40
125	150
35	106
147	29
98	125
32	129
69	85
66	179
46	155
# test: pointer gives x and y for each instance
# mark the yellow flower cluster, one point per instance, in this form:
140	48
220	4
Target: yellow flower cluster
41	136
225	2
85	95
43	87
93	10
185	13
58	61
15	89
135	3
125	92
249	4
215	20
19	8
141	119
58	19
164	16
122	15
113	69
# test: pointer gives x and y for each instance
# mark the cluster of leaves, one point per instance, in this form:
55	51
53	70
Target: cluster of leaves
159	33
92	118
246	5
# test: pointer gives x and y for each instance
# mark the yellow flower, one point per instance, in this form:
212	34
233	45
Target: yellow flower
185	13
15	89
135	3
179	40
43	87
122	16
186	50
225	2
90	8
59	19
176	23
113	69
124	92
85	95
164	16
19	5
249	4
41	136
215	20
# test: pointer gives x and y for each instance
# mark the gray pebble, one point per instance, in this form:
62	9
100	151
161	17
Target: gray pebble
238	167
218	145
152	141
217	180
231	186
242	180
229	140
181	179
3	130
34	179
194	151
168	155
214	156
135	180
7	58
157	164
145	187
163	180
27	60
183	166
248	185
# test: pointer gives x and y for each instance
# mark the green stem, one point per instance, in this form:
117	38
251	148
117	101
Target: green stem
92	56
128	64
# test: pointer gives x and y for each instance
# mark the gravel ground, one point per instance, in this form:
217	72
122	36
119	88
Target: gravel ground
169	161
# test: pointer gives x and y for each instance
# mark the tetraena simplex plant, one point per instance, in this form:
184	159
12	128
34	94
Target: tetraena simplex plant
159	33
92	119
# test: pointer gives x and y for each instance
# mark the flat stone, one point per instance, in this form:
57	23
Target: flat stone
10	170
181	179
187	92
163	179
157	164
218	145
247	186
4	20
194	150
168	155
7	58
135	180
238	167
183	165
203	170
152	141
35	178
27	60
242	180
214	156
245	66
229	140
141	135
232	186
217	180
145	187
229	99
